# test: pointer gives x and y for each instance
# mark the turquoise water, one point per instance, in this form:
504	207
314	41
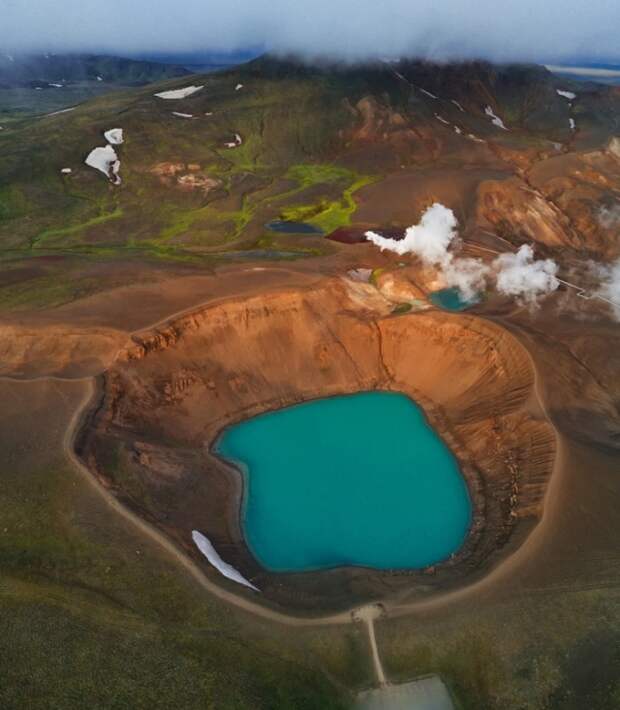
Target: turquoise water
352	480
450	299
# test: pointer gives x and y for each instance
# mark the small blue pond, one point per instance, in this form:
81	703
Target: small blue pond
351	480
451	299
293	227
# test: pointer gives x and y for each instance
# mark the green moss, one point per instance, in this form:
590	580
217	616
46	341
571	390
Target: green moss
401	308
307	174
375	275
247	156
327	215
52	234
13	202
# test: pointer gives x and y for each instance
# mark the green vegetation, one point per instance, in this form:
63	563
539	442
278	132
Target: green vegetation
41	209
13	202
94	615
326	214
48	235
374	275
401	308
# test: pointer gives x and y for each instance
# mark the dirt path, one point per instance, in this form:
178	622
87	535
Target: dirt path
368	614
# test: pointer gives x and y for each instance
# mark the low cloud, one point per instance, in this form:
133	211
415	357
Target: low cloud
527	30
435	242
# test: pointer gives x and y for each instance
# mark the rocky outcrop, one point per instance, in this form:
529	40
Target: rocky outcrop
518	212
174	389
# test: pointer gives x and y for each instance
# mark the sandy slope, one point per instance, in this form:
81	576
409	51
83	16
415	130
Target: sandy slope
182	382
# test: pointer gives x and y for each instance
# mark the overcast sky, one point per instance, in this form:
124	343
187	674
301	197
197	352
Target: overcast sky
495	29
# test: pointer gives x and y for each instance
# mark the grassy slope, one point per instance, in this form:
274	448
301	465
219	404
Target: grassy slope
286	155
95	616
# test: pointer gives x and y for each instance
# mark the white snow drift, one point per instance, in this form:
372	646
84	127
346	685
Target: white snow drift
236	143
429	94
114	136
106	161
179	93
205	546
62	110
566	94
495	120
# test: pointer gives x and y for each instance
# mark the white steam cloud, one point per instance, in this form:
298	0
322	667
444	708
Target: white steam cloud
434	239
429	240
609	217
523	276
609	287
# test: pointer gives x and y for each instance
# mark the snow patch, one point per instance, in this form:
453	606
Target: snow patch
428	93
458	105
495	120
106	161
238	87
572	124
566	94
99	78
114	136
62	110
236	143
178	114
179	93
66	171
443	120
206	547
56	86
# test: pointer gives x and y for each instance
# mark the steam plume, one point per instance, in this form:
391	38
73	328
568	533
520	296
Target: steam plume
434	240
523	276
609	287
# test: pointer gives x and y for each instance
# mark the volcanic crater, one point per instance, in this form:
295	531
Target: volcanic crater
162	404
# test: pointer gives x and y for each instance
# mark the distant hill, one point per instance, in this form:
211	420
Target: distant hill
204	62
31	71
203	173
